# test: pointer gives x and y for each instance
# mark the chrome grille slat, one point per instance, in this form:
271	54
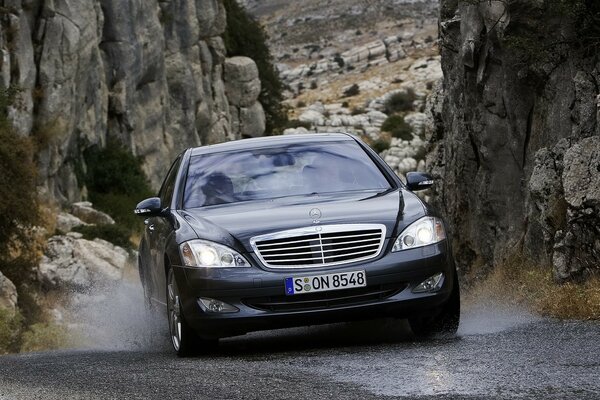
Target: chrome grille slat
281	254
350	254
351	248
289	242
350	236
319	246
290	248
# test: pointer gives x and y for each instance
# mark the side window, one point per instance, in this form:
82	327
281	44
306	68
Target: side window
166	190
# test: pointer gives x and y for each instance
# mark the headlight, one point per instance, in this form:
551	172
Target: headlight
202	253
425	231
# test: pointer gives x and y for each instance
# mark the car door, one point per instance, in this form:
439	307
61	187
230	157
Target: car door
158	230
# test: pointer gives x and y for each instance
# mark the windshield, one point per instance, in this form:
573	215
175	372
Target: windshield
292	170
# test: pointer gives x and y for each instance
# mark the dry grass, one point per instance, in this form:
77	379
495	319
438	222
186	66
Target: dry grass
518	282
333	91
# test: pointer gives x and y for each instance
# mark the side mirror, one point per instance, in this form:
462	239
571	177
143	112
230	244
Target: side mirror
149	207
418	181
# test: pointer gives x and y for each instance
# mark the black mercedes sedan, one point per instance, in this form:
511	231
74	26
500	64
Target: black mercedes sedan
288	231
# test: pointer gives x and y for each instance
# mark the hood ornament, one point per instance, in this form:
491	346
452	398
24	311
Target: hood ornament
315	214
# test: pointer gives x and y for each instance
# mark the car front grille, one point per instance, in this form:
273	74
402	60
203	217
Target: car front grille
320	246
325	300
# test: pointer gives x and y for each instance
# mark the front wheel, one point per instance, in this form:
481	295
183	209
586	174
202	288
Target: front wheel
183	338
443	321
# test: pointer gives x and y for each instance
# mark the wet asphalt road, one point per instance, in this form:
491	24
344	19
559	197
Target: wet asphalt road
496	355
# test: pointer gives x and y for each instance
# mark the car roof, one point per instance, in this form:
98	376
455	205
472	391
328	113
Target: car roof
268	141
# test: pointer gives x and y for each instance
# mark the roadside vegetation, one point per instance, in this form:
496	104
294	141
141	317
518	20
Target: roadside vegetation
22	237
115	183
397	106
521	282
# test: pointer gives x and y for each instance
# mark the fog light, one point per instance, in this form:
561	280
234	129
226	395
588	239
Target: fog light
431	284
216	306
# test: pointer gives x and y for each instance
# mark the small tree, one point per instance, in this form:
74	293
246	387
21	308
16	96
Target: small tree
400	102
398	127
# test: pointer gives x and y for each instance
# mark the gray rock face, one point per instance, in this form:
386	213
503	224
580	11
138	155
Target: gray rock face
147	72
242	87
65	222
86	213
70	262
8	294
516	144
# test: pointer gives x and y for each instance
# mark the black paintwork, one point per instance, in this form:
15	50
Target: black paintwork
234	224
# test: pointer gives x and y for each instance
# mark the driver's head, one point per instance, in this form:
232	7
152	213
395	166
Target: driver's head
218	189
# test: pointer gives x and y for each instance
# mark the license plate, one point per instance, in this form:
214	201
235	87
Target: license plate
323	283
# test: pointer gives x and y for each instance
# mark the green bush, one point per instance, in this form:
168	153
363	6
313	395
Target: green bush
10	328
116	183
400	102
353	90
43	337
17	181
380	145
115	234
245	36
294	123
357	111
398	127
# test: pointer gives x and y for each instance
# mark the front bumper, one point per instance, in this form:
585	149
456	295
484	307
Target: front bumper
401	270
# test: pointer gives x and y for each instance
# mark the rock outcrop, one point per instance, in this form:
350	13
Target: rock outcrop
516	140
8	294
71	262
242	87
87	214
147	72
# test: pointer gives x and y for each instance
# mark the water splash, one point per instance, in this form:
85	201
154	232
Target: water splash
114	317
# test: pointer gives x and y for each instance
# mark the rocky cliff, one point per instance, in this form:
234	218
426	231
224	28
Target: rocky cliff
517	143
150	73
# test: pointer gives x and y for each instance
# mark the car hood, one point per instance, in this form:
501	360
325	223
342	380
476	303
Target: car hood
235	224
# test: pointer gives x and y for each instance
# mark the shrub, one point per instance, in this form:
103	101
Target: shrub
357	111
401	101
339	60
44	336
115	234
295	123
345	104
380	145
352	91
314	85
245	36
17	182
10	328
301	104
398	127
116	183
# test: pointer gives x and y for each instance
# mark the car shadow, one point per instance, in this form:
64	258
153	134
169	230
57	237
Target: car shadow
332	336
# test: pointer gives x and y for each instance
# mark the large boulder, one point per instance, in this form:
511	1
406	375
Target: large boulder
86	213
252	120
65	222
8	294
71	262
242	84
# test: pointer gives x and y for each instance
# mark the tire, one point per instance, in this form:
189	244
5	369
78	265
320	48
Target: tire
148	307
443	321
184	340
